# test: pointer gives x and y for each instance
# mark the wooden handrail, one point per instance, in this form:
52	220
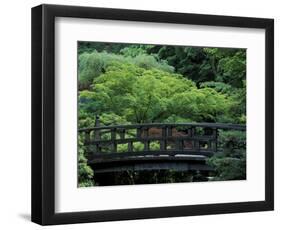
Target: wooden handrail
184	139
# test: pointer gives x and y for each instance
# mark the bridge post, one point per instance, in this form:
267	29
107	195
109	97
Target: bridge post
113	138
215	134
130	146
97	134
170	131
138	132
146	142
87	140
122	133
163	142
195	143
179	145
87	137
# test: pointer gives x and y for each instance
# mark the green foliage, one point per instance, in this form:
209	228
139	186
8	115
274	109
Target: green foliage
138	95
176	119
232	142
237	113
228	168
112	119
205	64
229	65
218	86
85	173
138	146
154	145
188	61
134	50
230	164
122	148
89	47
233	69
92	65
149	62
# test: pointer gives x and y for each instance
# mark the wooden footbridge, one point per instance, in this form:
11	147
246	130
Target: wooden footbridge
181	147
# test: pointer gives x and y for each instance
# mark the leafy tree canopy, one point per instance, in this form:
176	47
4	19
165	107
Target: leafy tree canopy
151	95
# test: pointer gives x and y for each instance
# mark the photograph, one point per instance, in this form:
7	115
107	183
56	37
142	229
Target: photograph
140	114
157	113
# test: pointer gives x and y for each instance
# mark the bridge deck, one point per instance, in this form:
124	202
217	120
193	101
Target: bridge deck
142	163
102	157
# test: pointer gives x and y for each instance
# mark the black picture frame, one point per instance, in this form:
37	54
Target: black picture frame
43	114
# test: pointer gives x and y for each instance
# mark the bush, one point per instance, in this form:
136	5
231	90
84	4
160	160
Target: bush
232	142
228	168
85	172
230	164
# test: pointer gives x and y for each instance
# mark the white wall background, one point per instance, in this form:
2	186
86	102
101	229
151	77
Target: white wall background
15	114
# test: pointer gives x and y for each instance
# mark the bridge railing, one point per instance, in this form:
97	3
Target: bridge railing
182	138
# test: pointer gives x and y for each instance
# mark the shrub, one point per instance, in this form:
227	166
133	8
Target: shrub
85	172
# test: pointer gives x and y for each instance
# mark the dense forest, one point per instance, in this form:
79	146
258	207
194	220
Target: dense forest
130	83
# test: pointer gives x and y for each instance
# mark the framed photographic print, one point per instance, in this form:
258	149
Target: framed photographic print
142	114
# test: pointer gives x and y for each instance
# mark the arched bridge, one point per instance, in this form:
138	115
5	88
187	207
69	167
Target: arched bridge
181	147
